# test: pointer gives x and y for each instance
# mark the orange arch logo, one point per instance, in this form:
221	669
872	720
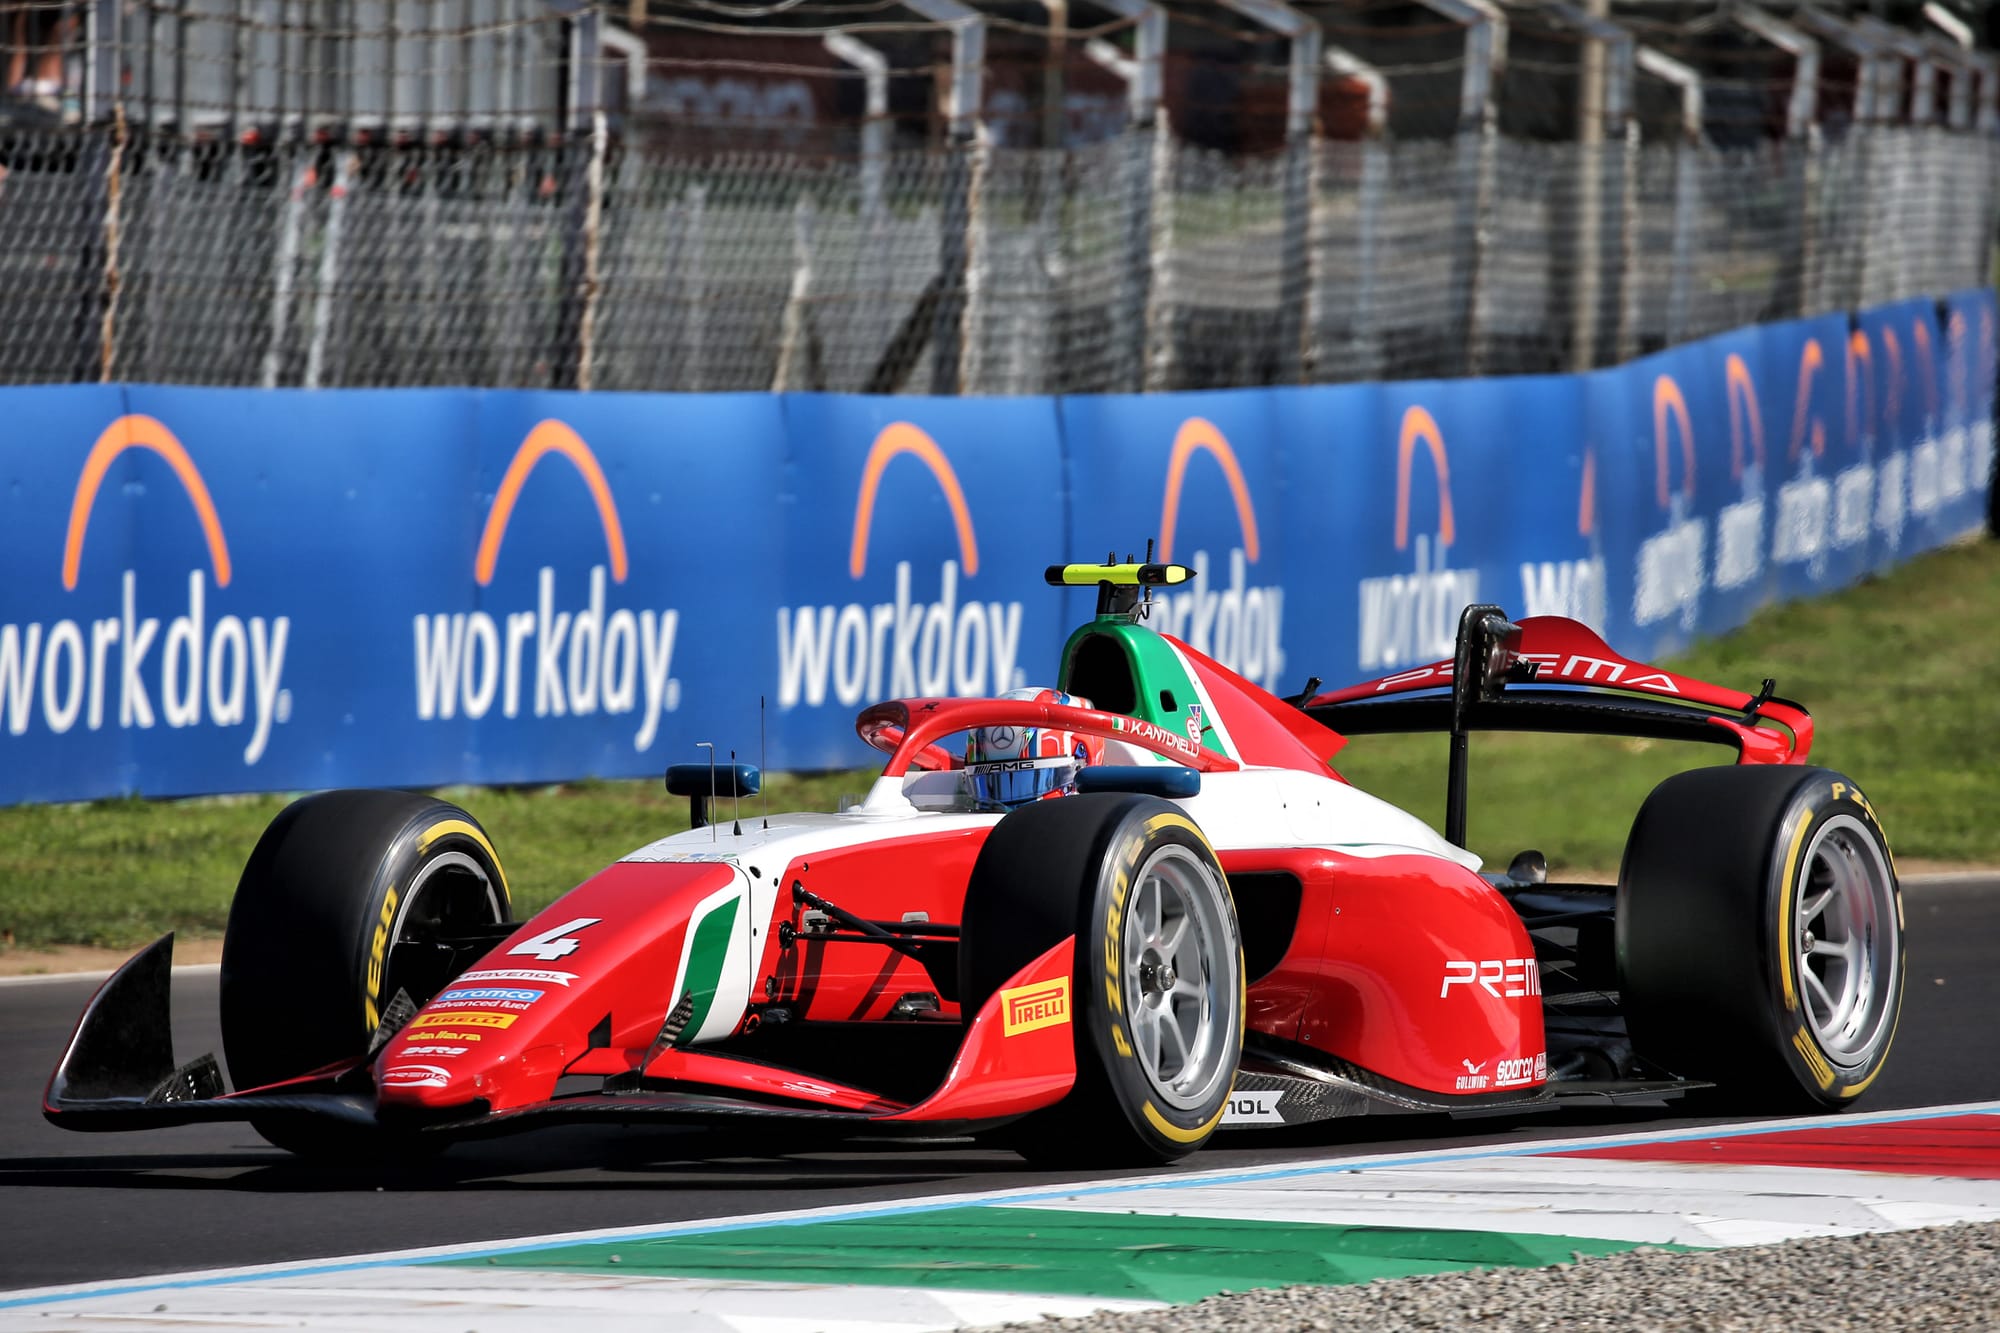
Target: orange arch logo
1894	347
1669	401
141	432
898	438
1811	358
1741	390
1921	335
1861	387
550	437
1419	424
1198	435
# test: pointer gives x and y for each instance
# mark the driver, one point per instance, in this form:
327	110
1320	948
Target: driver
1009	766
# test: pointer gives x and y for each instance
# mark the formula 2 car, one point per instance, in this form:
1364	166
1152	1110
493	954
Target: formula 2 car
1202	925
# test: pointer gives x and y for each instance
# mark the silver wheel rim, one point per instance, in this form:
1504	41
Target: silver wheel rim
1180	977
1844	942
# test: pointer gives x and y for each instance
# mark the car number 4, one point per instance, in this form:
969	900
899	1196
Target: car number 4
555	942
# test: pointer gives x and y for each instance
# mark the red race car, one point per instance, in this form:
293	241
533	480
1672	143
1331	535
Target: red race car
1097	921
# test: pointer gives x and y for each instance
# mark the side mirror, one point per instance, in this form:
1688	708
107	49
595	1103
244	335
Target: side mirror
701	783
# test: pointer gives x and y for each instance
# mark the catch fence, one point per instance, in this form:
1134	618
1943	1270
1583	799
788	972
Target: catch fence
259	246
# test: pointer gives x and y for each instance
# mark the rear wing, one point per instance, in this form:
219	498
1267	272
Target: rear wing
1552	674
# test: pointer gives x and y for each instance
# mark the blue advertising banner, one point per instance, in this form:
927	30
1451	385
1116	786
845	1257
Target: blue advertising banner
228	590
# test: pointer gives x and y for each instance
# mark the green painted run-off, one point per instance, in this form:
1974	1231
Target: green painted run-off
1054	1252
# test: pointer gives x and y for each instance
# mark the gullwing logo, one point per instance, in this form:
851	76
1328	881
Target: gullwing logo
581	660
1239	624
1413	617
905	647
226	672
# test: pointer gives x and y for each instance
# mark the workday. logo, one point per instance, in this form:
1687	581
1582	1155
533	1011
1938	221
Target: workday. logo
104	671
901	648
1239	624
1816	514
1673	563
1413	617
1571	588
576	660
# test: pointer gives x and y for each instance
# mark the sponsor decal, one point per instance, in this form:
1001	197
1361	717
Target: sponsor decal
1044	1004
1474	1079
449	1036
1571	668
109	669
463	1020
415	1076
1173	740
1413	617
1526	1069
1239	623
555	942
378	953
1502	978
1253	1108
1194	723
1672	563
575	659
488	995
445	1051
905	647
528	974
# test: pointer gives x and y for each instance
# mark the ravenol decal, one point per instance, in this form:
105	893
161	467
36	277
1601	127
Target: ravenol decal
1572	588
1413	617
225	674
580	661
1672	563
1238	624
903	647
1042	1004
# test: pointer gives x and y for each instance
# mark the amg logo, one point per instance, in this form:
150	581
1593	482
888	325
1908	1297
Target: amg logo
1042	1005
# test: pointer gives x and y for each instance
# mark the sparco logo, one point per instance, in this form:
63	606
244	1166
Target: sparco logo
904	647
222	670
576	660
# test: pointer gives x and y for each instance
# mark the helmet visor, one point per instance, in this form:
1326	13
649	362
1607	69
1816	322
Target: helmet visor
1015	782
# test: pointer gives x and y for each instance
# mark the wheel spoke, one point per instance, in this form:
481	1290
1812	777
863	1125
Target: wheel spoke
1170	947
1169	1027
1832	949
1819	991
1811	906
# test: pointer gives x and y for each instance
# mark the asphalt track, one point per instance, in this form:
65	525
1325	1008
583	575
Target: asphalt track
78	1207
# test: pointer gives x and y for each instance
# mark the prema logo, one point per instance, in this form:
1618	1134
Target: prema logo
905	647
1239	624
575	659
1407	618
104	671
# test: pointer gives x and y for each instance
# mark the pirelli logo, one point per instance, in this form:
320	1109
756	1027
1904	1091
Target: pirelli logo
1042	1005
465	1020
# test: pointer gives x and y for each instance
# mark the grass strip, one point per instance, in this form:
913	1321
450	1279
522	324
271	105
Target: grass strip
1901	673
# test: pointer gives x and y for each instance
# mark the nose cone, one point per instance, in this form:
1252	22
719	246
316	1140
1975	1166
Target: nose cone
613	955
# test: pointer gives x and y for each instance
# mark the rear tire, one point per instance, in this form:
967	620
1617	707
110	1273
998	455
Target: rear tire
328	924
1158	991
1760	935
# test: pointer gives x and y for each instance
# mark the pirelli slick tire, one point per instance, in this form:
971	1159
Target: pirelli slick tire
1760	935
330	922
1158	1007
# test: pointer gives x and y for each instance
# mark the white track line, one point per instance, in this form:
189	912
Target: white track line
1176	1180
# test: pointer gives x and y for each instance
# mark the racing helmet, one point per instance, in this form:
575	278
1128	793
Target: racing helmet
1009	766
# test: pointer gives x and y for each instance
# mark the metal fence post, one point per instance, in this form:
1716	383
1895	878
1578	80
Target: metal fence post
1803	136
1160	348
1603	119
795	327
101	72
1301	139
874	317
1686	164
1478	135
284	272
968	63
1141	74
329	271
1365	354
593	249
114	189
695	287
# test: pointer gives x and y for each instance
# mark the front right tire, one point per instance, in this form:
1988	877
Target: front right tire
1159	982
